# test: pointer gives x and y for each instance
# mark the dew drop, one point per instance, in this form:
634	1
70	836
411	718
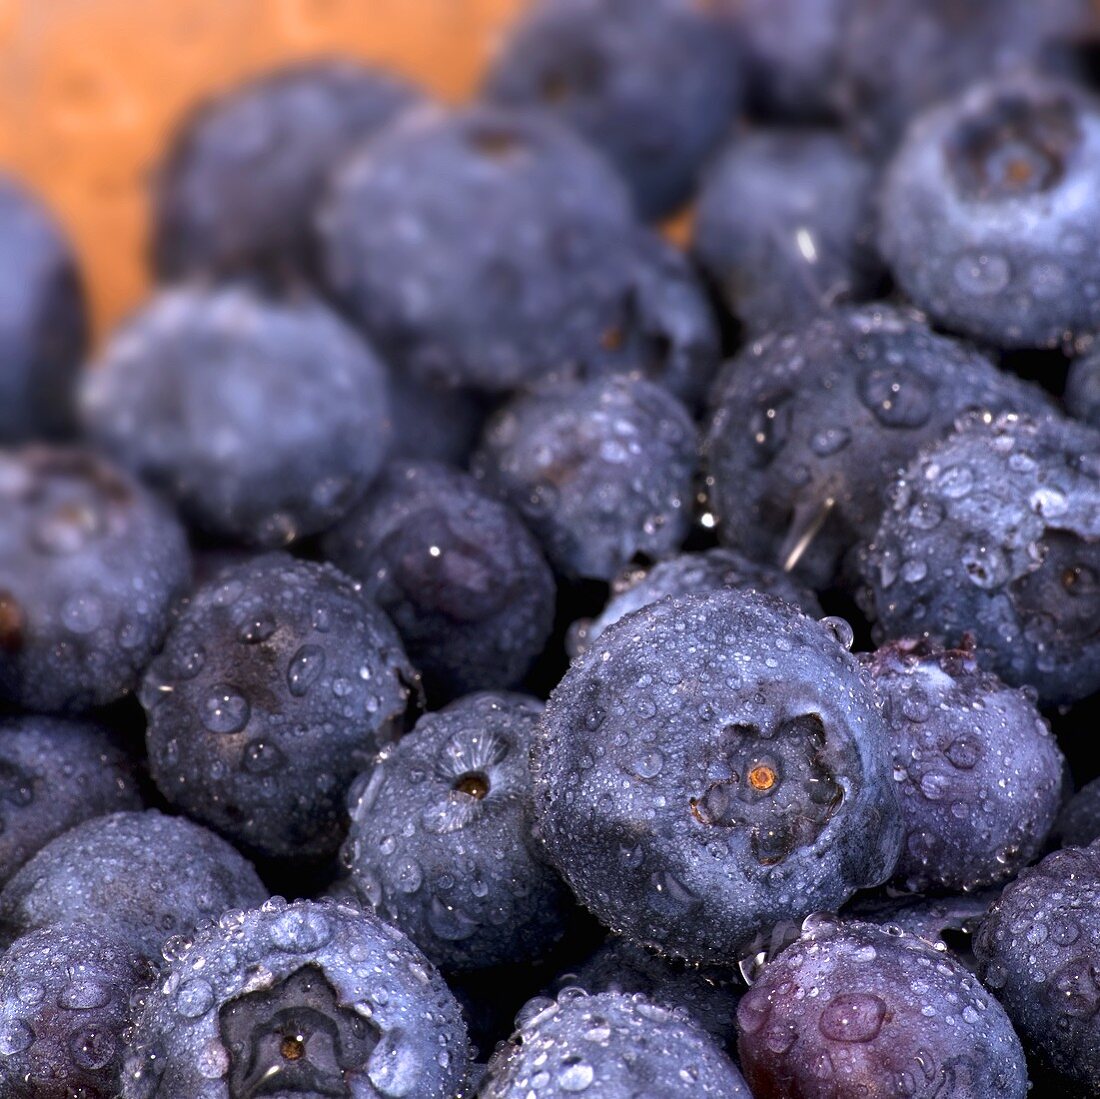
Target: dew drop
225	710
306	666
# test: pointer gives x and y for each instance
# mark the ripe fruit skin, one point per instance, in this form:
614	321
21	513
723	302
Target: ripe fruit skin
276	687
713	765
889	1015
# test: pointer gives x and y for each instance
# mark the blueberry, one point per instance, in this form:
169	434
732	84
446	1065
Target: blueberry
994	534
952	920
794	49
653	84
432	423
666	330
609	1045
809	428
264	419
715	764
301	999
54	774
478	248
90	565
239	184
852	1010
1037	952
144	876
456	570
989	213
635	587
1079	822
44	324
898	58
706	995
785	226
276	687
64	1010
979	773
440	842
601	470
1083	389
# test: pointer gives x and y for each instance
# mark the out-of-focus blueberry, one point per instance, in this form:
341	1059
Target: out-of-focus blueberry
785	227
653	84
264	419
240	183
43	321
989	213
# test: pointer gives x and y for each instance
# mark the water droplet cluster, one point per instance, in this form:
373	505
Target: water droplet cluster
609	1043
275	688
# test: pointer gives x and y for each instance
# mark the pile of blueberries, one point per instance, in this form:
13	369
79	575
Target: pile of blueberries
455	642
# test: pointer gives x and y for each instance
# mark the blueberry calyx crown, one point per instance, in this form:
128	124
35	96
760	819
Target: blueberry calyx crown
1014	147
294	1039
778	783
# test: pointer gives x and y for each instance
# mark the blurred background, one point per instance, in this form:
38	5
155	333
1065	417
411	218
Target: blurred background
91	89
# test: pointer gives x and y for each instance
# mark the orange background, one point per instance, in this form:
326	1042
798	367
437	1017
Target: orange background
90	90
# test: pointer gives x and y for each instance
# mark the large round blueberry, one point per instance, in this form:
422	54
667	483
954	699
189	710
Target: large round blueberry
65	996
145	876
653	85
54	774
460	575
994	534
483	247
810	427
275	688
241	180
979	773
853	1010
710	570
440	841
43	321
601	470
297	1000
264	419
988	213
898	58
1037	950
715	764
90	565
611	1045
785	227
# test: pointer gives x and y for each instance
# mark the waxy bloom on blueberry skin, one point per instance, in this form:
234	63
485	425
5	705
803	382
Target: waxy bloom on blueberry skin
989	213
851	1010
992	536
716	763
